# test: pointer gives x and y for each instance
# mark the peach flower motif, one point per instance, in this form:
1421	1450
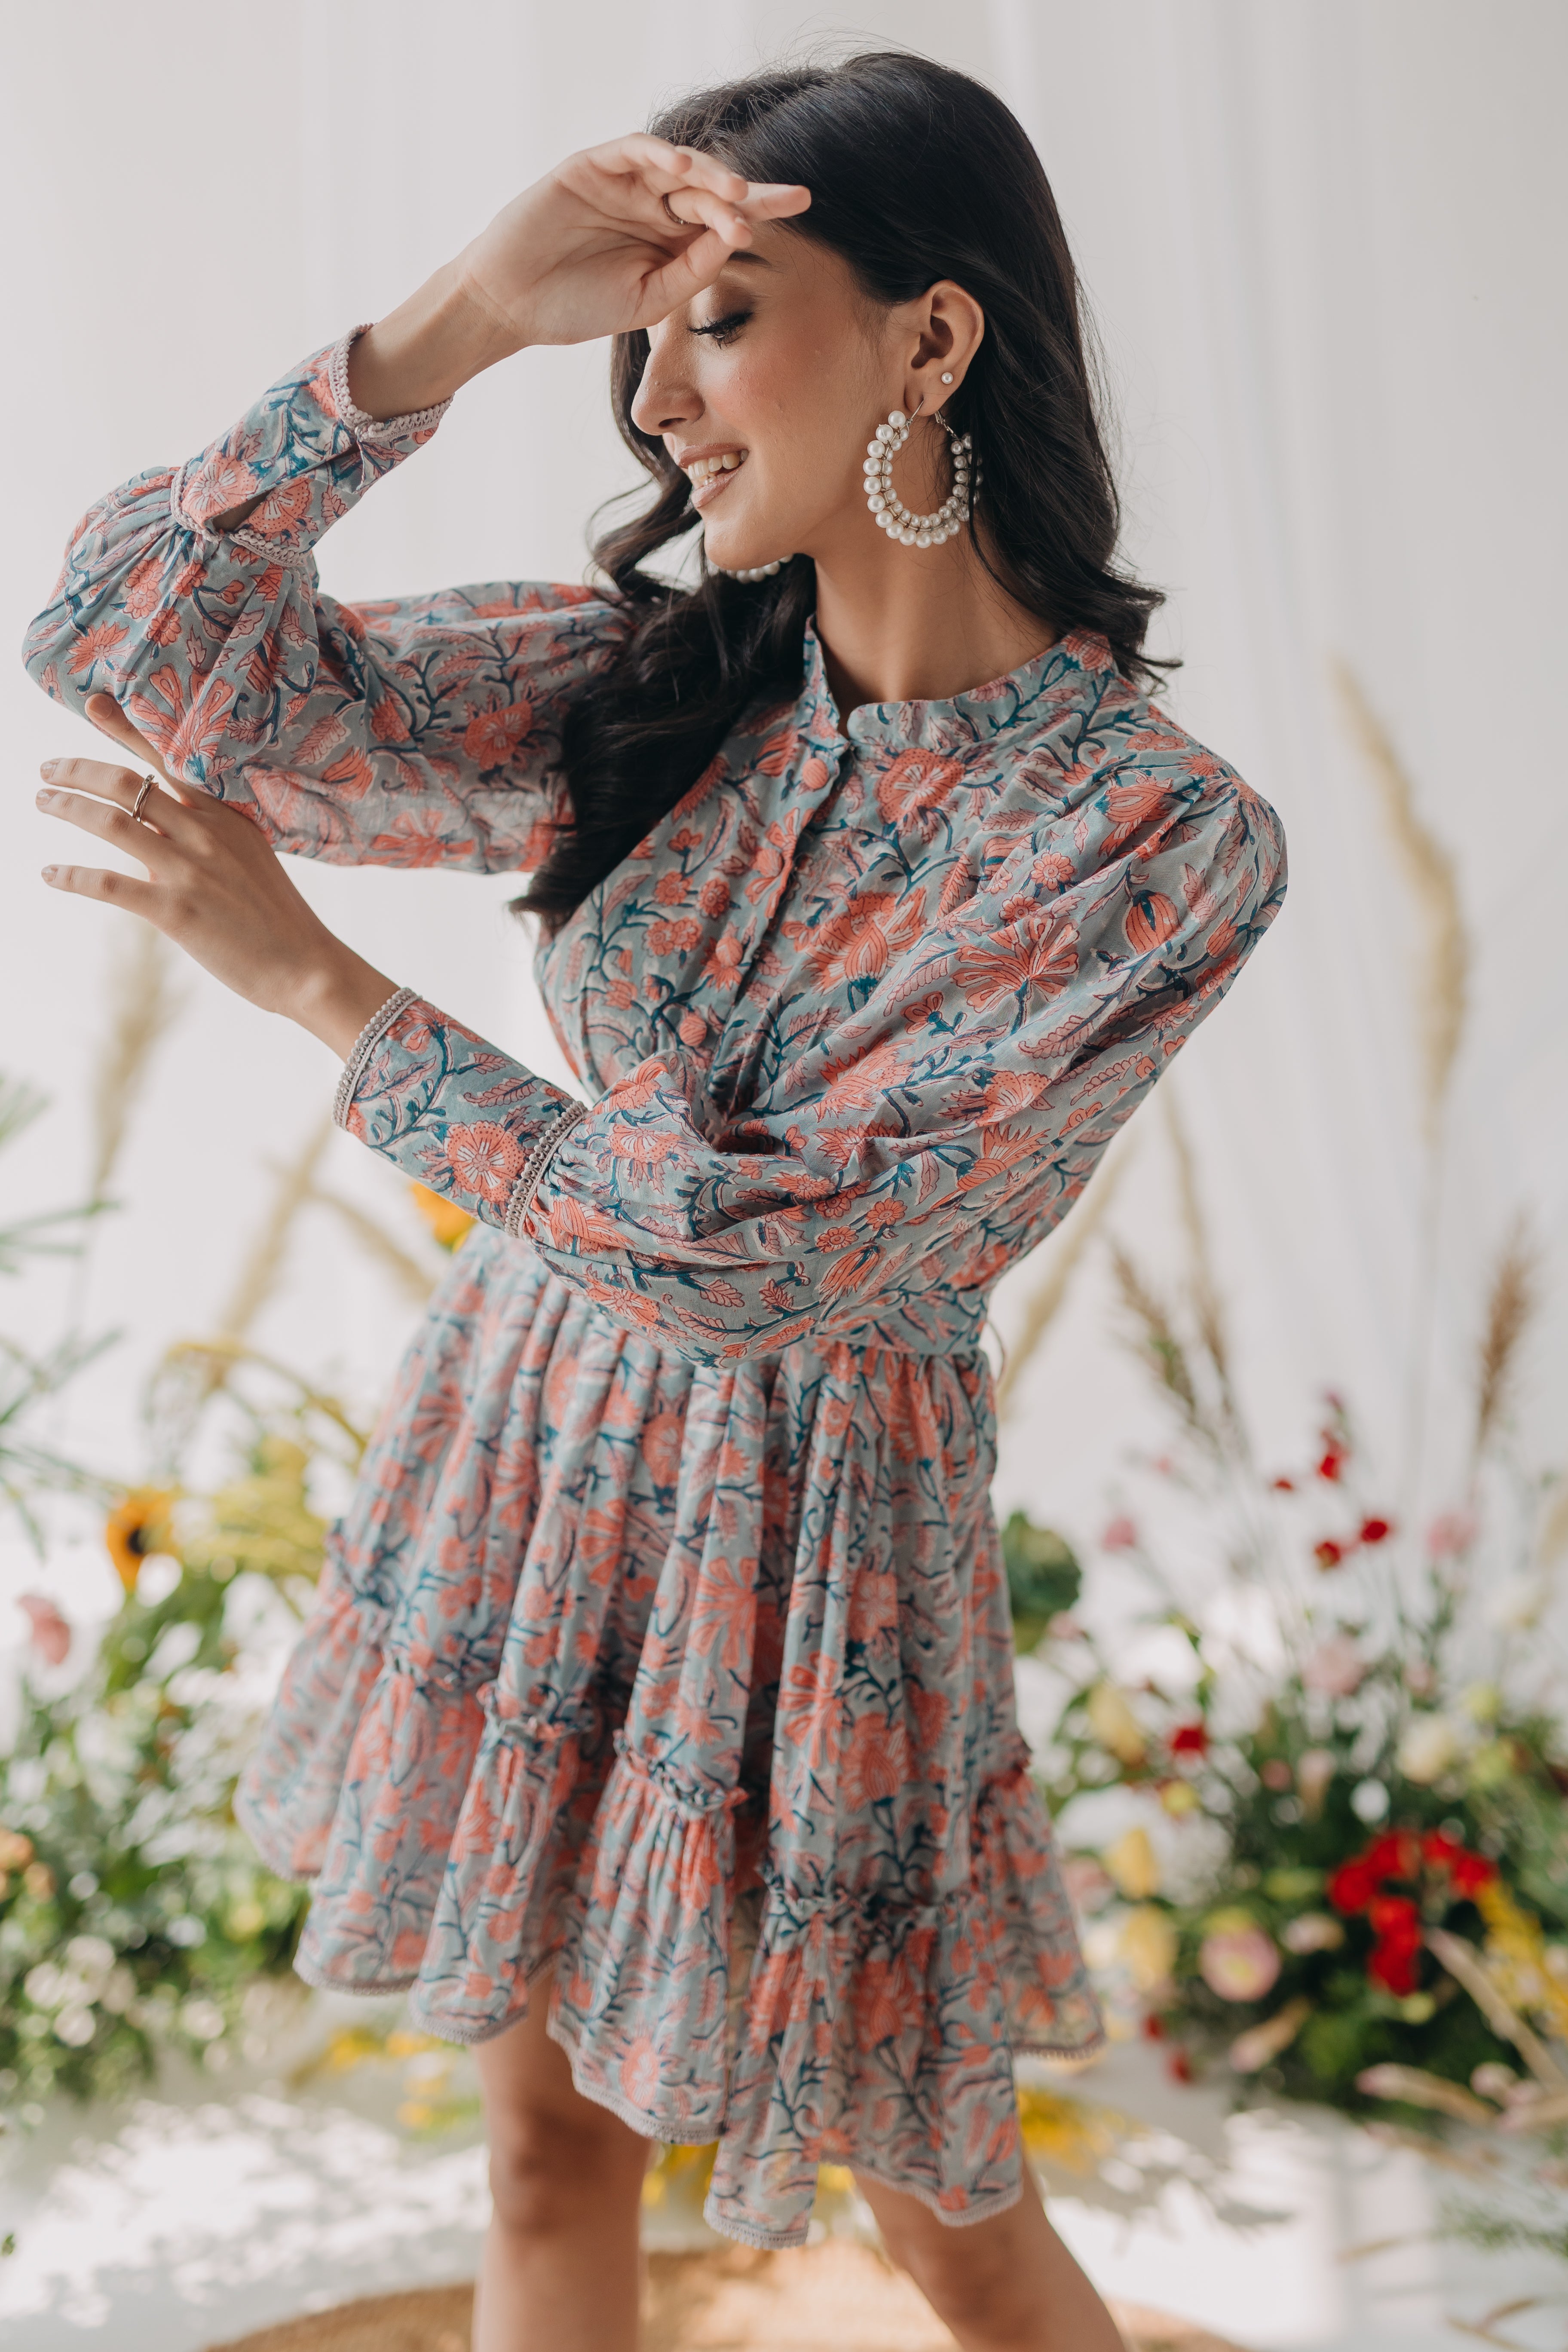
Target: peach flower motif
1017	961
638	2073
913	786
144	589
387	723
876	1762
415	840
859	943
491	737
96	645
1152	919
483	1160
221	483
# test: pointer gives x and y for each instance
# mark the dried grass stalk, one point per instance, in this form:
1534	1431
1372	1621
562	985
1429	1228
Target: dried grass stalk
1067	1248
412	1278
1433	880
1552	1541
1515	1296
144	1004
1157	1339
1207	1312
259	1273
1465	1965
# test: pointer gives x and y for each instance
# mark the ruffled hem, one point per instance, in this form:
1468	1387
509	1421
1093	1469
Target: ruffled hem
864	2023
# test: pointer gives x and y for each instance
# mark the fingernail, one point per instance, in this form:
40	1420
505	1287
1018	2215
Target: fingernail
50	873
50	768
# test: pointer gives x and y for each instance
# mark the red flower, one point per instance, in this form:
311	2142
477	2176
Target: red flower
1375	1531
1327	1554
1329	1467
1283	1486
1468	1871
1190	1739
1179	2066
1395	1958
1394	1854
1153	2028
1352	1886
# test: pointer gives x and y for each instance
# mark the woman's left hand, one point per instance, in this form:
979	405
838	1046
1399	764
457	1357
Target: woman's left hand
217	890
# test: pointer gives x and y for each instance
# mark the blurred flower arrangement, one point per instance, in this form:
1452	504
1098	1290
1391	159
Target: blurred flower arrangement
1345	1875
134	1917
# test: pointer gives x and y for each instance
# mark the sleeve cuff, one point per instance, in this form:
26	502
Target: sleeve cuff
366	428
535	1166
363	1046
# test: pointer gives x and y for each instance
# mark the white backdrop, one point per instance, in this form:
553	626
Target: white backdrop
1322	239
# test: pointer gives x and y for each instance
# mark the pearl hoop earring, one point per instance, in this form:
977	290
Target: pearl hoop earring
891	513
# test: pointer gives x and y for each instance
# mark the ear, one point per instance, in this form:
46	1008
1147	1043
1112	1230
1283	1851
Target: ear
949	328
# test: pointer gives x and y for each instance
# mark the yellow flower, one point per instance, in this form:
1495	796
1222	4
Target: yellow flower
449	1223
1516	1949
1148	1946
1178	1797
262	1522
1115	1726
137	1527
1133	1864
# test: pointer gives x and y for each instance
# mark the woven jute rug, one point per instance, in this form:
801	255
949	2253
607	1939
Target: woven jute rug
837	2297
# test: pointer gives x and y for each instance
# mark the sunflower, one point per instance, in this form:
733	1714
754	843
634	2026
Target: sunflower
446	1220
136	1528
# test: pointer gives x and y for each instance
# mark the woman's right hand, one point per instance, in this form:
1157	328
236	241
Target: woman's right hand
589	251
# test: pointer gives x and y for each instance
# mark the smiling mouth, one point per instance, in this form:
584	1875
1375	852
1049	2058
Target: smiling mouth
709	475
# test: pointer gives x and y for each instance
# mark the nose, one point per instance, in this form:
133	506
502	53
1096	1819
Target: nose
666	398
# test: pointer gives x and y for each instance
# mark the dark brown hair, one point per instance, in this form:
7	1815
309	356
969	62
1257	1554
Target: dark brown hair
917	173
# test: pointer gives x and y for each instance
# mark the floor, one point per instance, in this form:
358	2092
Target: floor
189	2219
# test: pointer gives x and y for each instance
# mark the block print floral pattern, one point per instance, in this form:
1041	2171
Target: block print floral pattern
672	1572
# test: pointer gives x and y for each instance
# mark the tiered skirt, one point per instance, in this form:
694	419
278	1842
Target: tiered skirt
607	1638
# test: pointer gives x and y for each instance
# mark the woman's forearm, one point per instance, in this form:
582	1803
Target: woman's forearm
426	350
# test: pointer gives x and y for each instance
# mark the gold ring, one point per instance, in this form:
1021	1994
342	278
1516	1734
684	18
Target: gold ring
148	785
675	216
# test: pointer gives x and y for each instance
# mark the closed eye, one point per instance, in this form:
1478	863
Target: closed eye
721	330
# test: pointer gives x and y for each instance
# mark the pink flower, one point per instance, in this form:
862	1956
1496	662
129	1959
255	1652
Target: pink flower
1335	1667
1239	1963
49	1632
1450	1533
1120	1536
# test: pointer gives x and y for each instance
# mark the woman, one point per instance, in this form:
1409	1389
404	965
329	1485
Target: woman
656	1724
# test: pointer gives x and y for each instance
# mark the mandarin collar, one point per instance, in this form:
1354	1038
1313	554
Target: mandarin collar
1076	667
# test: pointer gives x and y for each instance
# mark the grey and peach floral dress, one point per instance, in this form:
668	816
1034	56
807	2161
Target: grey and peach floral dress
672	1580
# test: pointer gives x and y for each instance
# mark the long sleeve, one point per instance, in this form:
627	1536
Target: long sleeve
927	1138
422	731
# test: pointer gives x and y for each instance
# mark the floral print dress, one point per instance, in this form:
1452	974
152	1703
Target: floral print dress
672	1576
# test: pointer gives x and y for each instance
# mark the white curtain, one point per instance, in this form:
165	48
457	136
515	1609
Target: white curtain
1322	239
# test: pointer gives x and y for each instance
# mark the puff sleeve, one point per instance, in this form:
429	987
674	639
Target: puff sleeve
418	731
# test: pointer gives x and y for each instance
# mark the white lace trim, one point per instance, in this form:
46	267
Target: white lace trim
365	1046
372	428
534	1165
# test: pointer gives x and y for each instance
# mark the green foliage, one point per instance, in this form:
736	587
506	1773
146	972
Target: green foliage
133	1912
1044	1577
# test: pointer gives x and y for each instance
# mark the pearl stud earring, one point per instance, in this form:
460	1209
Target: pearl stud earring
947	379
889	510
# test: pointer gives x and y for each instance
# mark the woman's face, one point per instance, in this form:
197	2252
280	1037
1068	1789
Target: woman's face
767	387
